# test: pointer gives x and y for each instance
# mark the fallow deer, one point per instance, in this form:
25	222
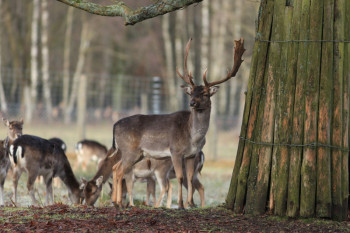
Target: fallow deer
40	157
145	171
59	142
177	135
14	130
88	151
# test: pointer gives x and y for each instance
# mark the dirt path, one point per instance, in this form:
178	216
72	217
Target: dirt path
65	218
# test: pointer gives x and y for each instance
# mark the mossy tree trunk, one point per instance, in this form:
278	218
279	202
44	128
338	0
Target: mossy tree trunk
293	155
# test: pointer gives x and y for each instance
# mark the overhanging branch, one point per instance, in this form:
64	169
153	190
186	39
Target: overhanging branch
130	16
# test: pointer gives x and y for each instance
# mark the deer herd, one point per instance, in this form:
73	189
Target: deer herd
145	148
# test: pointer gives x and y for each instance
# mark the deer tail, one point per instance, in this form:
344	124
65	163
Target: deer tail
17	152
201	162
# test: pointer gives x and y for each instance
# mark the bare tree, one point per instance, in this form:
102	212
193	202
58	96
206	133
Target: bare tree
45	58
2	92
66	56
168	24
84	44
31	88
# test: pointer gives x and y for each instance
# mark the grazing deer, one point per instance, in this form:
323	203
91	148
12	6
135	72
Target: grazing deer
145	170
177	135
89	150
40	157
59	142
14	130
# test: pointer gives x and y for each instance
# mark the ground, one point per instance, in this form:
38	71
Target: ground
61	217
215	176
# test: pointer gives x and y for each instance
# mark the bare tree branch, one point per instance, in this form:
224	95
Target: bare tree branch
131	16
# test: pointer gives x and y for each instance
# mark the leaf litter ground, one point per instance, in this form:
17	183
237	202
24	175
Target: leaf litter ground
64	218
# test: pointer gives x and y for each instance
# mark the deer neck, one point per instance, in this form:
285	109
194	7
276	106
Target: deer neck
199	124
105	169
69	179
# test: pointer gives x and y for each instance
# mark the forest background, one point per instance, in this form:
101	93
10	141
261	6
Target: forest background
71	74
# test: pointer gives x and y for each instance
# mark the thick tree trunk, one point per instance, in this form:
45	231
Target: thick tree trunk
292	158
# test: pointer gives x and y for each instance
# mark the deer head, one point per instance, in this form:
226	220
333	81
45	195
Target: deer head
199	94
14	128
92	189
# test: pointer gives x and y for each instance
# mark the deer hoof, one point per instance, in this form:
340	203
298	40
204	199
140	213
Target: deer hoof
181	206
117	206
192	205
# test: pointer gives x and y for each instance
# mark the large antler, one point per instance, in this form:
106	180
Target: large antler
187	75
239	50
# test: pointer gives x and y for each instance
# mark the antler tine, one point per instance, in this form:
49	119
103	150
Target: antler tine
205	77
187	76
239	50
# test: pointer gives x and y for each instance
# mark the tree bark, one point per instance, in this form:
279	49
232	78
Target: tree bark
131	17
324	197
294	135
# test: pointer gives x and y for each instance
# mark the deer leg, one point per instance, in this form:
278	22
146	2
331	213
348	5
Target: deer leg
200	188
115	183
30	186
129	187
16	175
151	190
2	182
49	193
189	164
177	162
163	188
170	190
118	174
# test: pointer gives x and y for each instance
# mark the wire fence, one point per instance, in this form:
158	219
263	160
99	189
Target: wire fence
107	96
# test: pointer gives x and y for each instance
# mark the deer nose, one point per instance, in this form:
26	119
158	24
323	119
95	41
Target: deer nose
193	103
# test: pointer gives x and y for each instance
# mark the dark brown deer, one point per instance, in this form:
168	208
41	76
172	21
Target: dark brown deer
179	135
14	130
89	151
40	157
59	142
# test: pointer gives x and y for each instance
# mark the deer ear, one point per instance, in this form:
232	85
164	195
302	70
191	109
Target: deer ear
6	122
83	183
213	90
186	89
99	181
